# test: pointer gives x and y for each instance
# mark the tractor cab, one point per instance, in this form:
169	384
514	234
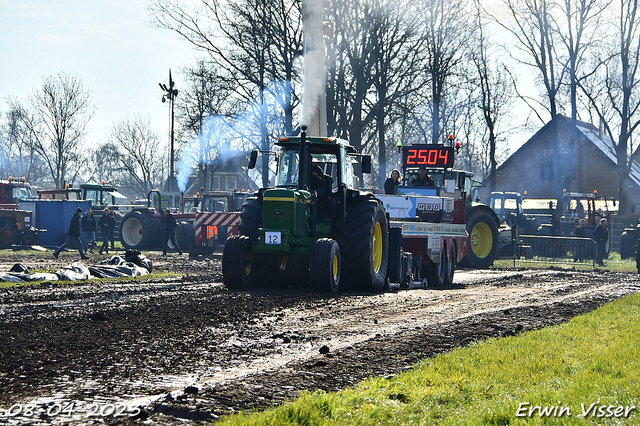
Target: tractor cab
12	191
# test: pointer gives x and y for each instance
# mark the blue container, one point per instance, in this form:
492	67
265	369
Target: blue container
54	216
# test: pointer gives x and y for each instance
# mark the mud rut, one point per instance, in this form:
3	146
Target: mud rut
187	348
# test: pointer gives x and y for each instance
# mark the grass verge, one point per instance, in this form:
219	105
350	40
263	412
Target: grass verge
614	263
560	371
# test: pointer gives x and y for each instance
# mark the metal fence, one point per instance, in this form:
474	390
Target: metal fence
561	250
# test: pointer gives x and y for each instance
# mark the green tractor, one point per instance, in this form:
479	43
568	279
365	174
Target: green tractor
295	233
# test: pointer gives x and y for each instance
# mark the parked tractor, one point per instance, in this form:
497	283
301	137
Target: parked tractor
325	231
142	228
15	225
217	218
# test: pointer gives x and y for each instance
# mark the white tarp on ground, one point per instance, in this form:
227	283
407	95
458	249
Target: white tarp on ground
132	265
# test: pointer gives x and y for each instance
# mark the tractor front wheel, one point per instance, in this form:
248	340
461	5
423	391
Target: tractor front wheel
8	235
325	265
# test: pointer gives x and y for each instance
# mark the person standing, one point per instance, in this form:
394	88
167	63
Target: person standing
392	182
601	235
88	227
107	224
581	232
73	235
169	232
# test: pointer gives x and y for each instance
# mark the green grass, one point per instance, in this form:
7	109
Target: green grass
594	358
614	264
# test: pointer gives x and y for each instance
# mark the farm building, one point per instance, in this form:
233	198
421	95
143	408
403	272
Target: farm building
587	167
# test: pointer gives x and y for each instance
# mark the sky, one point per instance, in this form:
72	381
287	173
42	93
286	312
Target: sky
109	45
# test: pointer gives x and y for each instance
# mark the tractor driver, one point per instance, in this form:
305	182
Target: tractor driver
321	184
422	179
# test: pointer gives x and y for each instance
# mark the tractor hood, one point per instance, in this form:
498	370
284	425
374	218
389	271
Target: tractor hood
287	210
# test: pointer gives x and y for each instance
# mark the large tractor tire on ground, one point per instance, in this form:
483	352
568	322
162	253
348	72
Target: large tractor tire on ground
188	235
251	218
233	263
483	238
364	245
628	243
140	231
325	265
8	235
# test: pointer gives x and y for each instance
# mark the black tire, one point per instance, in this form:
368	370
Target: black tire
325	265
140	231
627	243
251	218
451	265
8	235
483	240
189	236
29	238
364	245
231	276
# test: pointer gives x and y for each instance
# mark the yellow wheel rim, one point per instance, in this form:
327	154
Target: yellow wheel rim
481	240
377	247
282	261
335	267
247	264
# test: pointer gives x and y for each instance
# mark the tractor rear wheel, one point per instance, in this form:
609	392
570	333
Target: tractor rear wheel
325	265
251	218
140	231
8	235
364	245
483	236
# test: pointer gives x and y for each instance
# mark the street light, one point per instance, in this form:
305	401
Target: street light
170	94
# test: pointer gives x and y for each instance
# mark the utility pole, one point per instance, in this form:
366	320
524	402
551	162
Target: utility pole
170	95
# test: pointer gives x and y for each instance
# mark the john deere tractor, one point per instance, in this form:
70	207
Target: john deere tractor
293	234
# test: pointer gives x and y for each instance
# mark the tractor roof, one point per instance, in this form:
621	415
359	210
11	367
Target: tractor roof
314	140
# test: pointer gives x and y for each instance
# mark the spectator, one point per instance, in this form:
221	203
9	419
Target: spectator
601	235
73	235
392	182
107	224
580	231
422	179
88	227
169	232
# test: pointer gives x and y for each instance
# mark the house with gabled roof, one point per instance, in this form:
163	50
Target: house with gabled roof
588	166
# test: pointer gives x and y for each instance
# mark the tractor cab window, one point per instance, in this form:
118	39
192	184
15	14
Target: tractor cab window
93	195
214	204
21	193
329	165
287	173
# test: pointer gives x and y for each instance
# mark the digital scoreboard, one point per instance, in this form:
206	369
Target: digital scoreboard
430	156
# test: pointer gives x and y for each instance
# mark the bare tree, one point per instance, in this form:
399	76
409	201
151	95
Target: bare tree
397	56
61	111
132	152
495	92
238	35
613	90
17	154
446	31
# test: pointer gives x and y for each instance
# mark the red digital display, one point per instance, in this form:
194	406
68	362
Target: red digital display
436	156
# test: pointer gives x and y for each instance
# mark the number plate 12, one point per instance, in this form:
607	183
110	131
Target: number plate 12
273	237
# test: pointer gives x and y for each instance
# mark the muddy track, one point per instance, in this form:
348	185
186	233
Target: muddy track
187	348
